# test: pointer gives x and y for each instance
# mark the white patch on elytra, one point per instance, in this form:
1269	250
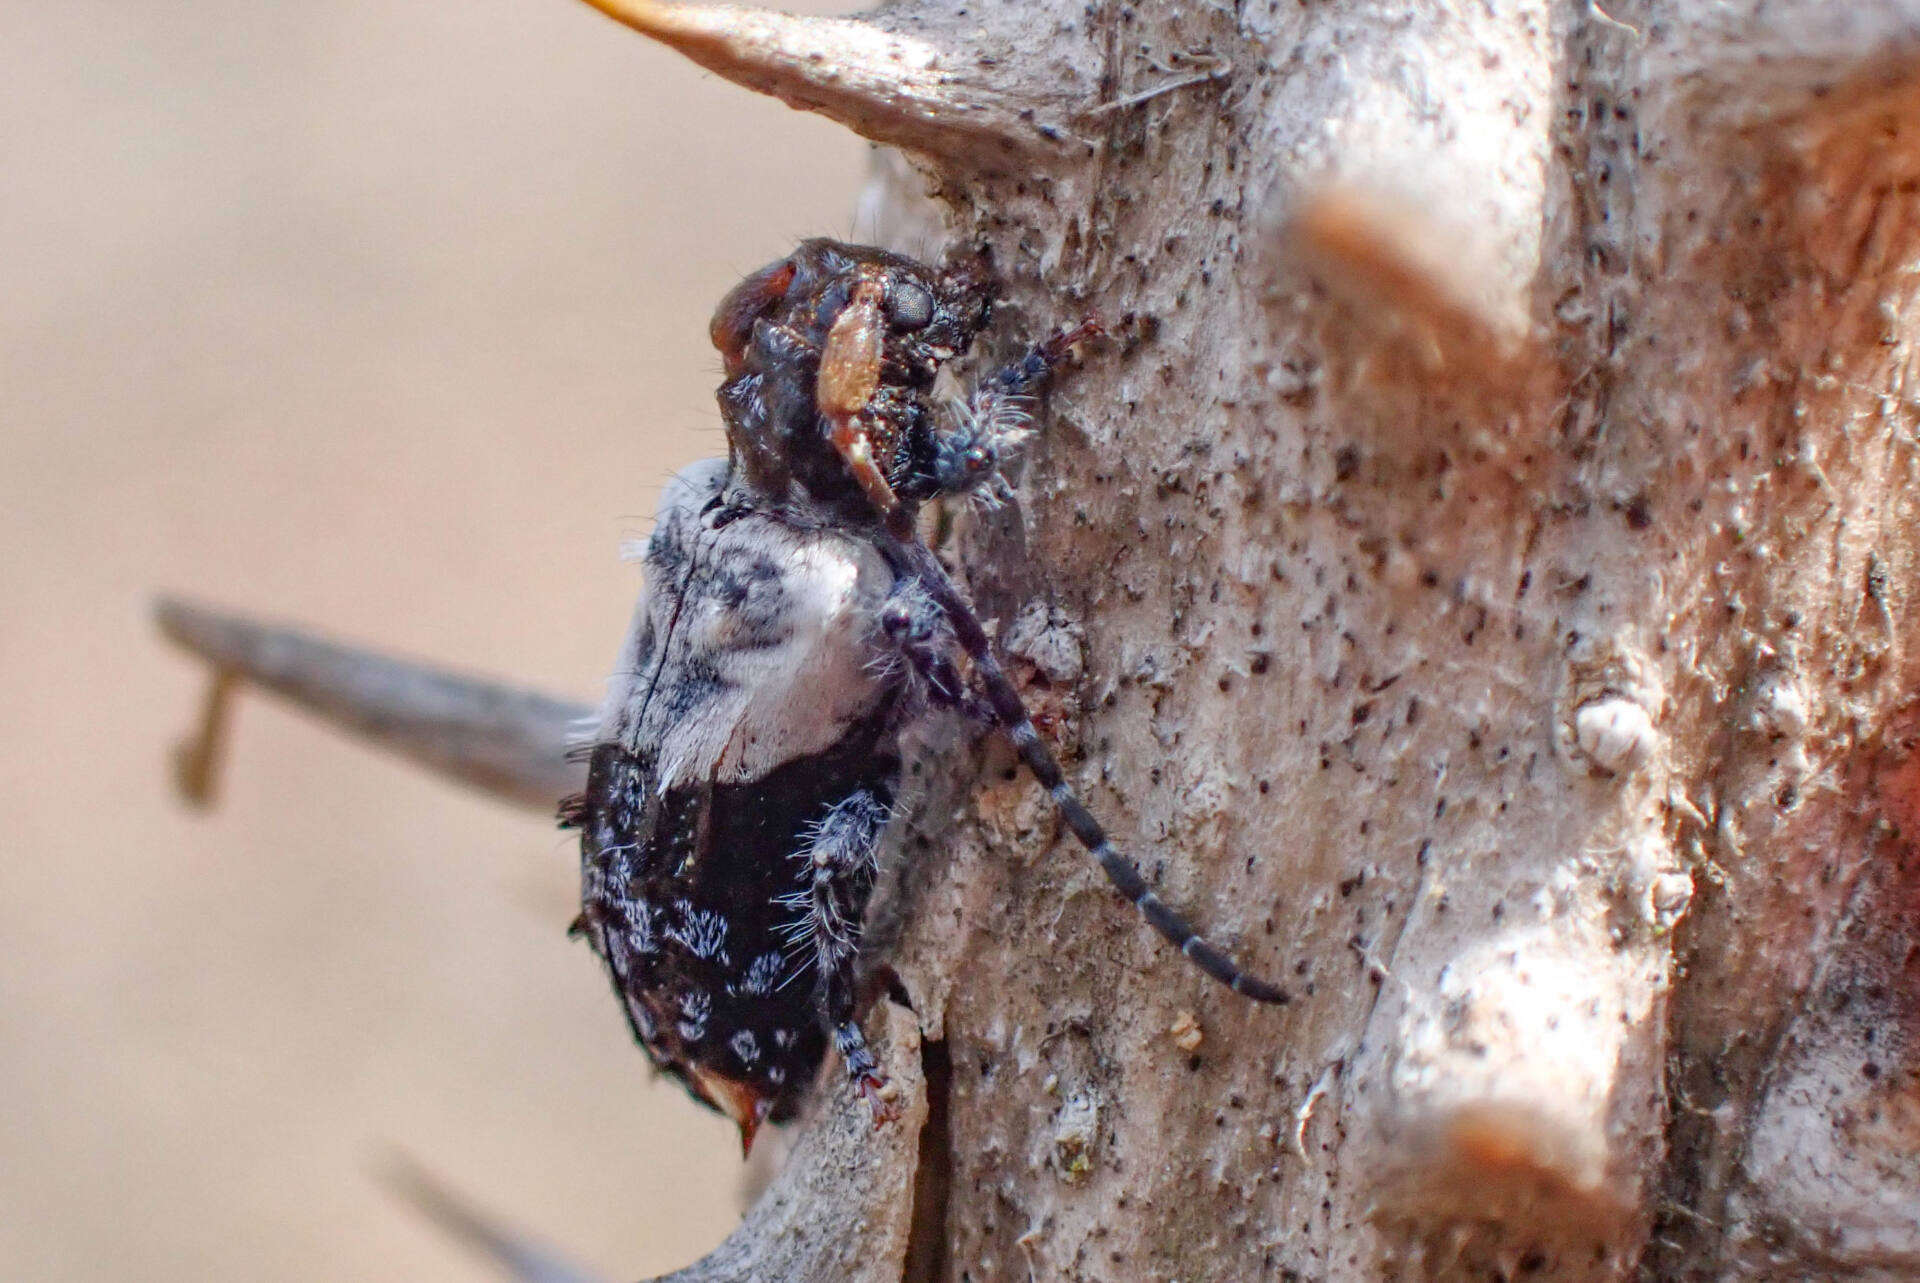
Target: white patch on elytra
701	932
641	937
695	1007
769	692
761	975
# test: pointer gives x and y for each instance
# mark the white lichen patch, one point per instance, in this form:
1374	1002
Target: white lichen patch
1044	638
1614	733
1782	708
1075	1129
1667	898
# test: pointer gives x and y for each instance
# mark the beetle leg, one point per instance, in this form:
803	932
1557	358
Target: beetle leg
842	861
991	424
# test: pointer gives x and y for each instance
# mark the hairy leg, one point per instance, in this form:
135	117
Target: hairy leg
841	861
990	425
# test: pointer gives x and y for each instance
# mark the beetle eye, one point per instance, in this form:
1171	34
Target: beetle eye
908	306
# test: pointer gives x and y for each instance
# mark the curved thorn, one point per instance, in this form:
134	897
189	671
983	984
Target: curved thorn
1440	294
517	1256
891	87
506	742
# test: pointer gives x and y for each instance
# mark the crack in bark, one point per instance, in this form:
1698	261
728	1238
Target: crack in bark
928	1254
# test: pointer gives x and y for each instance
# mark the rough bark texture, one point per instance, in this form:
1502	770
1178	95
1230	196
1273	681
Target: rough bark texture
1474	584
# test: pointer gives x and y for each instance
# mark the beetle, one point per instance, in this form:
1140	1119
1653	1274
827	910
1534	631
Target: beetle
747	761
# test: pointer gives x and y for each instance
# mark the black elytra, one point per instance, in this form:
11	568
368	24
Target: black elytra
747	760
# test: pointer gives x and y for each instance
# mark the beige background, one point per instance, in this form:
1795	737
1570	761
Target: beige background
387	315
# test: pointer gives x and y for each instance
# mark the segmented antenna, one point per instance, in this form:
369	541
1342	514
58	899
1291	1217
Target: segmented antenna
1011	714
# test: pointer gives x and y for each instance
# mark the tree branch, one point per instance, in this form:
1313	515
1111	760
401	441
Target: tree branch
506	742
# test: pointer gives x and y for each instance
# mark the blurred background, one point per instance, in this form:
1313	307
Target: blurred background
389	316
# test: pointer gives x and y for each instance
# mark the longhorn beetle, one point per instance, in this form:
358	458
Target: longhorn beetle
748	756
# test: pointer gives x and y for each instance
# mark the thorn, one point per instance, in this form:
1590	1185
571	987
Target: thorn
413	1184
199	758
1521	1089
1398	267
509	743
1797	71
890	87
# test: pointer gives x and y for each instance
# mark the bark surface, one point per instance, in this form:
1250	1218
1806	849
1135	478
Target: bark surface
1473	584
